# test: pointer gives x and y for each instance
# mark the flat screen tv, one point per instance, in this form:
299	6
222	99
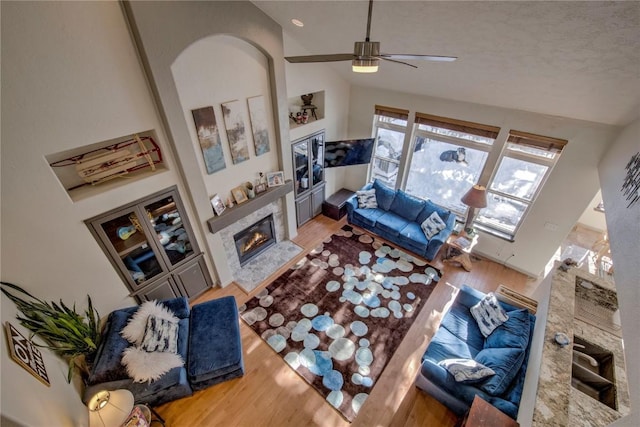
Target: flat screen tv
347	152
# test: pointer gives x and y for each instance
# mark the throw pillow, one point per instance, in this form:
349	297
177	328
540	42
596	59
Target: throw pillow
433	225
506	363
160	335
466	370
513	333
488	314
367	199
145	366
134	331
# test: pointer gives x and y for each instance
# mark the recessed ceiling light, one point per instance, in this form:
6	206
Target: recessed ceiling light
297	22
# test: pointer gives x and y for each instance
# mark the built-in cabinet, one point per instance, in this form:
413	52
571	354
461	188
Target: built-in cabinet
308	170
151	244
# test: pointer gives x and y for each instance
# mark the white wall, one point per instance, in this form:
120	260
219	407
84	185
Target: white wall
624	237
306	78
570	187
70	77
220	69
592	218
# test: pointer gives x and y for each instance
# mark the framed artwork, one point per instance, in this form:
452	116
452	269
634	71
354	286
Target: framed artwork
275	179
239	195
261	188
209	139
26	354
218	205
234	123
258	117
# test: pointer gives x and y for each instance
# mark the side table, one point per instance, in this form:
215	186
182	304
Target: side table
459	249
483	414
335	207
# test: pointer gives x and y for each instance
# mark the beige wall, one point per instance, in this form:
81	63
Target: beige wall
570	187
70	77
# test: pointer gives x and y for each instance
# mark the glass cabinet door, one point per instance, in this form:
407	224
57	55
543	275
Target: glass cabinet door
166	220
301	167
317	159
129	241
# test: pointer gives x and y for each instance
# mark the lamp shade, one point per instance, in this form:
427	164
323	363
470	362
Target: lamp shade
110	408
476	197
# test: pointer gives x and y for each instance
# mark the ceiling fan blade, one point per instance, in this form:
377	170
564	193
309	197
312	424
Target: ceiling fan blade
321	58
435	58
399	62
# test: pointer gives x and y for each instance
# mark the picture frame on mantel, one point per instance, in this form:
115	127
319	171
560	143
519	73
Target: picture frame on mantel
239	194
275	179
218	204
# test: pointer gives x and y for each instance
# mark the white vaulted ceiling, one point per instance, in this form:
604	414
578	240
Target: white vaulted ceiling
571	59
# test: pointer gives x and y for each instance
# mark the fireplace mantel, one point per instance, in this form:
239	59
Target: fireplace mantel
231	215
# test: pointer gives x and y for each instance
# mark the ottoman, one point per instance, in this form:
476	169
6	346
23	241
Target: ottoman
215	346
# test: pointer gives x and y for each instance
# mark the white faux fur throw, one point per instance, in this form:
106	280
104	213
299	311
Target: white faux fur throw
149	366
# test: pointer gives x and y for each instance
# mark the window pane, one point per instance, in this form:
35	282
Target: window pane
456	134
444	172
385	170
399	122
389	144
532	150
501	213
518	178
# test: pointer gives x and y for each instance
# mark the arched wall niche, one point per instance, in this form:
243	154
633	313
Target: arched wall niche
162	31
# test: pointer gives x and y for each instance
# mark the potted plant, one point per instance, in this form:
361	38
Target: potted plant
72	336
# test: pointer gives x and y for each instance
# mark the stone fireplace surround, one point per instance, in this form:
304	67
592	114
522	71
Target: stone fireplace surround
259	268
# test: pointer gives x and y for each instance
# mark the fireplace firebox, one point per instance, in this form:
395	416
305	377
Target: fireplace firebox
255	239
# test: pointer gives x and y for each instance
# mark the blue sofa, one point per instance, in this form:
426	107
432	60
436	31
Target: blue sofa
398	217
208	340
459	337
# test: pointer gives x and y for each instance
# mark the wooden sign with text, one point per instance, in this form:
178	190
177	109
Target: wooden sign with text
26	354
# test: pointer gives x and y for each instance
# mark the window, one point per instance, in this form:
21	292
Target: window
390	126
448	158
523	167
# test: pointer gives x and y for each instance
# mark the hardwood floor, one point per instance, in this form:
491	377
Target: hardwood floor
272	394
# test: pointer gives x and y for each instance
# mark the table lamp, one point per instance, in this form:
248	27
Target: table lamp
110	408
476	197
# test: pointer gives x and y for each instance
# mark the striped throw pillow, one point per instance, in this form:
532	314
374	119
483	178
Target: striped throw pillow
367	199
160	335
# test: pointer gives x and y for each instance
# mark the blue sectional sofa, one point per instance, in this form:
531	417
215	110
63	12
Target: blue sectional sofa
208	340
459	337
398	218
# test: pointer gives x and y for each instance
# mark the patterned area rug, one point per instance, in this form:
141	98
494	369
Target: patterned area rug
340	313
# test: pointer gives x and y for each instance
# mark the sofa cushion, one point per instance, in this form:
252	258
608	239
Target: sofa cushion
413	235
391	223
429	208
489	314
506	363
108	363
460	323
466	370
406	206
384	195
513	333
432	225
446	345
367	199
368	217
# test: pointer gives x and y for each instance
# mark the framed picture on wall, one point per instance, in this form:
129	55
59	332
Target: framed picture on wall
218	204
234	123
209	139
275	179
258	117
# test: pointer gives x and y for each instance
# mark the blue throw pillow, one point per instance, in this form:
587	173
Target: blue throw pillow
407	206
384	195
513	333
505	362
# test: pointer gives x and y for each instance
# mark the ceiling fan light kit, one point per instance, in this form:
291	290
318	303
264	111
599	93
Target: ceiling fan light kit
366	55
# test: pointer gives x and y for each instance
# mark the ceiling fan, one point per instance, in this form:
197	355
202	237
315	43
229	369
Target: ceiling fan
366	55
